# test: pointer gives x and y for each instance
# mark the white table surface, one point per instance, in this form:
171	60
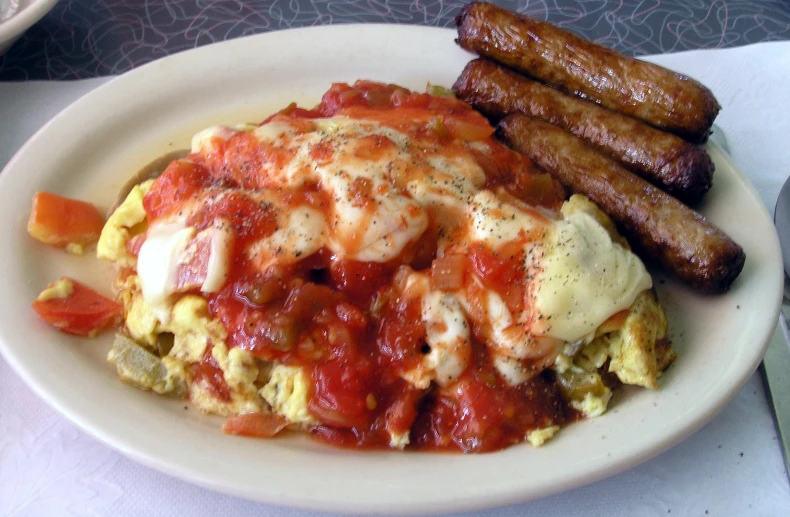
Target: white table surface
731	467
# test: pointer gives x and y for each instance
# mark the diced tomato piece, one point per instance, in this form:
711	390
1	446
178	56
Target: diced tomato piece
209	372
61	221
499	269
401	334
341	391
258	425
179	182
502	271
294	111
76	309
359	280
194	264
402	413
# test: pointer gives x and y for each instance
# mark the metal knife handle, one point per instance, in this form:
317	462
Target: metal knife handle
776	372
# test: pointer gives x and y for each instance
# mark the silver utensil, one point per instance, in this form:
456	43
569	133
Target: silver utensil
776	364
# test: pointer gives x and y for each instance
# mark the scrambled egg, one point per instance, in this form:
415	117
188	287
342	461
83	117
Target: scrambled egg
399	440
75	249
636	353
633	348
123	224
58	289
538	437
286	392
192	330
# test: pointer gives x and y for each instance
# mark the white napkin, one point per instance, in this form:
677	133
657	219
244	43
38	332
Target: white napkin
732	466
751	84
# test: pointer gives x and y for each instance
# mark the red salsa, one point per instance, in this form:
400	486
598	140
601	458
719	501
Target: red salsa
345	322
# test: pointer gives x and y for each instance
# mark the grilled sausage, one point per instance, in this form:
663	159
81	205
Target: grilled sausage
657	224
658	96
682	169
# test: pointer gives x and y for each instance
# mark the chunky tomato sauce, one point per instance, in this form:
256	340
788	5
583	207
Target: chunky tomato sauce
345	321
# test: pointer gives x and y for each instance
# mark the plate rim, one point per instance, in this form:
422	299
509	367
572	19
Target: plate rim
499	499
24	18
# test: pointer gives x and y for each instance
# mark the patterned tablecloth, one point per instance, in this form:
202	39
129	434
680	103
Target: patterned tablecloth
80	39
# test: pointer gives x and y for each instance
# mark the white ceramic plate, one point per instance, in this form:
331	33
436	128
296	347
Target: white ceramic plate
17	16
90	149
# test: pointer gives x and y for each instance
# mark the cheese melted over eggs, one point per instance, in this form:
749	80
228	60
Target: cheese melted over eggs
384	189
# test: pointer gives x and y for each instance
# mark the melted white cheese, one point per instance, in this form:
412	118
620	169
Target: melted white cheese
393	214
510	343
272	131
204	142
578	276
446	192
585	278
453	181
379	230
301	233
167	248
387	223
157	265
447	334
512	370
496	222
374	232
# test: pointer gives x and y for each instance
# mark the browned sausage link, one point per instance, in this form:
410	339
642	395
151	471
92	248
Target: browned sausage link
660	226
658	96
682	169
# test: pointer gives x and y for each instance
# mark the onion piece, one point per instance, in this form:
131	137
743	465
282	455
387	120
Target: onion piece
447	273
466	130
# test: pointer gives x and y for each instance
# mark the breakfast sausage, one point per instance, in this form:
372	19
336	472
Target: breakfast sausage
680	168
657	224
660	97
